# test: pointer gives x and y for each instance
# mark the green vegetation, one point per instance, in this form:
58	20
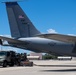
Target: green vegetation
49	56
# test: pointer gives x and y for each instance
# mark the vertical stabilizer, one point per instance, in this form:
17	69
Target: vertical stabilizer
20	25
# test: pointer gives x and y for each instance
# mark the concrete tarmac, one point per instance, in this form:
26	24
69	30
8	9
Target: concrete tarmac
50	67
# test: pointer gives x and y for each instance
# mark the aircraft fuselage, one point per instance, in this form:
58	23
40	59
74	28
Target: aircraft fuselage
49	46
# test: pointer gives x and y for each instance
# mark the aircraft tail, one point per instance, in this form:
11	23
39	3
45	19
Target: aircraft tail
20	25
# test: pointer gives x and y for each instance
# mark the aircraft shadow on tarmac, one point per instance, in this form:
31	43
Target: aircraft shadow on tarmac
60	70
57	65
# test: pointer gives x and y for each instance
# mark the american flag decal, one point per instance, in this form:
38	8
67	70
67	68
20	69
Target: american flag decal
21	16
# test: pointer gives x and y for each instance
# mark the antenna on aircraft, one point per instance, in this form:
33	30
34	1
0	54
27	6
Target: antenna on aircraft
4	1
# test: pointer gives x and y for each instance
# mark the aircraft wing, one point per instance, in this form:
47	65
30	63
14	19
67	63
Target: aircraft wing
59	37
15	43
12	41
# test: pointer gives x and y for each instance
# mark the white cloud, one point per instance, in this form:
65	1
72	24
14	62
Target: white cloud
72	34
51	31
6	35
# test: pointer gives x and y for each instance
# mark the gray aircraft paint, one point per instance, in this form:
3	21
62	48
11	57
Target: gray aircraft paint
22	33
20	25
47	45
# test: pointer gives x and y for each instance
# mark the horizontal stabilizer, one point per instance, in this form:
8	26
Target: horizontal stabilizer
59	37
13	41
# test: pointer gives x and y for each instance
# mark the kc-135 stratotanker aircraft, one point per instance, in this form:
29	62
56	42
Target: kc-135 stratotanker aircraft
26	36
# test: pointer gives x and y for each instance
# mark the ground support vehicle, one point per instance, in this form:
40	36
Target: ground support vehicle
7	58
25	61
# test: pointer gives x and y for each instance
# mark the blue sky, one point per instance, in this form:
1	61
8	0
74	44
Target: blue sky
57	15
